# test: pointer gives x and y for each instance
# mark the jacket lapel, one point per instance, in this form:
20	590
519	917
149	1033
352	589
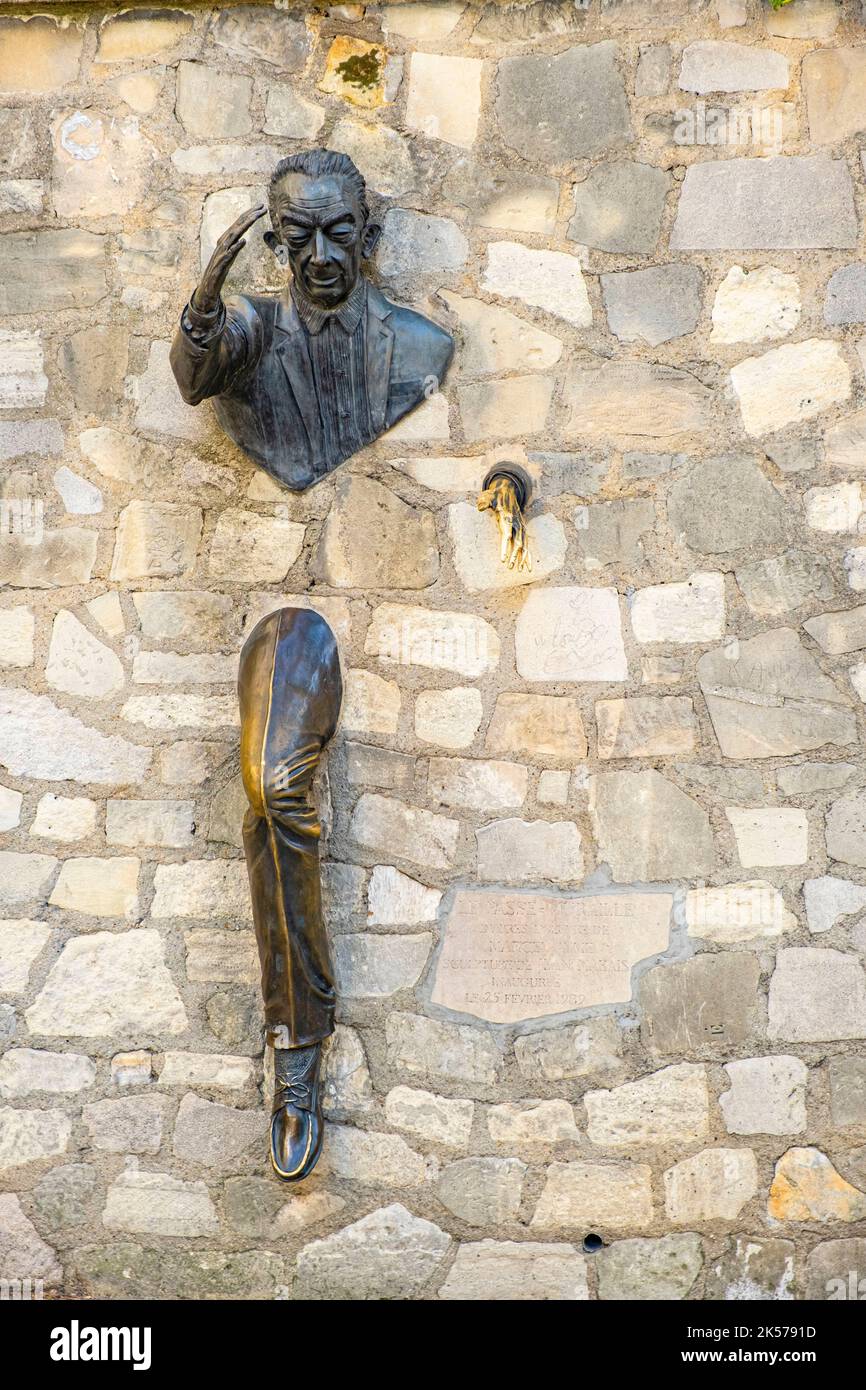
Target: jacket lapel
290	345
380	346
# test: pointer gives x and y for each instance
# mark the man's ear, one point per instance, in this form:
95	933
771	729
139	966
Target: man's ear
279	249
370	239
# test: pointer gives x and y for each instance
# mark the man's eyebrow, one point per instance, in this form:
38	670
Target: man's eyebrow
312	218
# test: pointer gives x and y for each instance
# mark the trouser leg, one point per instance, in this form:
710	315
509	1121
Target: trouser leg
290	692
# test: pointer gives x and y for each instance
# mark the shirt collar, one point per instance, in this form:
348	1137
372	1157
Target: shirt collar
348	314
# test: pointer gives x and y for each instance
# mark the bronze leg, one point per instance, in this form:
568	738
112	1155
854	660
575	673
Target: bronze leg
290	692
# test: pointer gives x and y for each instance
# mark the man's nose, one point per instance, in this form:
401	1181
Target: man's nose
320	247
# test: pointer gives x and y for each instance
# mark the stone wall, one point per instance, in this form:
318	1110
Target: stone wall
596	836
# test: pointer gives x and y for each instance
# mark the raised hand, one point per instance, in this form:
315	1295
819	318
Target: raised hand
206	296
501	498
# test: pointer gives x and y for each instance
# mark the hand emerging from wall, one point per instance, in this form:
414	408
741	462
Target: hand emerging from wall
505	492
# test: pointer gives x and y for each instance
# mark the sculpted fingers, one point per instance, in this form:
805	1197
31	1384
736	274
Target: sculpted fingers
506	532
226	251
242	224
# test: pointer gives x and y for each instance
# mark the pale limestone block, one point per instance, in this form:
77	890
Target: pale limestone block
512	1271
752	306
713	1185
537	726
692	611
769	836
844	442
394	899
422	22
79	664
507	409
10	808
376	967
495	340
291	115
371	704
21	943
99	887
571	634
428	422
382	824
550	280
364	1156
518	851
128	37
212	103
643	727
101	164
156	540
553	788
159	1204
509	957
474	784
249	548
17	628
182	711
39	54
597	1196
165	824
714	66
25	1071
64	818
738	912
107	983
28	1136
202	888
668	1107
170	668
448	718
389	1254
207	1069
835	509
834	81
430	1117
817	996
828	899
444	97
790	383
79	497
23	382
767	1096
24	1255
530	1123
441	640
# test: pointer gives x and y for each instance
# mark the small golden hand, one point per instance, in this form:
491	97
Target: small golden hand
501	497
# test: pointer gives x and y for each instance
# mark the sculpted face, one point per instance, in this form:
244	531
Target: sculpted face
320	225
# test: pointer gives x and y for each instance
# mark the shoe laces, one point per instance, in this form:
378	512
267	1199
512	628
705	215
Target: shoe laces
297	1089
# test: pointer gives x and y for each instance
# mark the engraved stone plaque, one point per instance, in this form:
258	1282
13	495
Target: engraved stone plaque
508	957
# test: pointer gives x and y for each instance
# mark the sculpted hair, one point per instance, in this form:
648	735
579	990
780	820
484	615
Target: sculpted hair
320	164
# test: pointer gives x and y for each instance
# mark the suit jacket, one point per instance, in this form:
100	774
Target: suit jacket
256	365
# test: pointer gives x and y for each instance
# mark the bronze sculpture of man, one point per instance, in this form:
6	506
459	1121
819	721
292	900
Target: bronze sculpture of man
300	383
303	382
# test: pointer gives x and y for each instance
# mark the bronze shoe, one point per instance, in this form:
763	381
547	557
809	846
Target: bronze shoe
297	1127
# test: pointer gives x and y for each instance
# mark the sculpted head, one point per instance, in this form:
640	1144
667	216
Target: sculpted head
320	221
